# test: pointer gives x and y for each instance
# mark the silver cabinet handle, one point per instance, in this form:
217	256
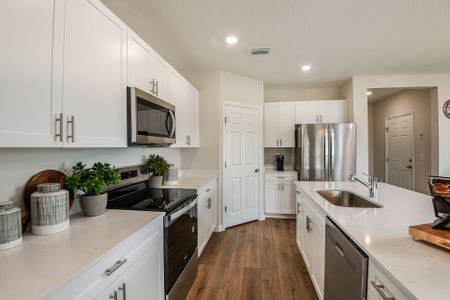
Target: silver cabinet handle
153	83
117	265
380	289
257	170
114	296
298	208
280	177
282	186
72	123
188	140
297	192
209	203
157	88
123	288
61	127
308	224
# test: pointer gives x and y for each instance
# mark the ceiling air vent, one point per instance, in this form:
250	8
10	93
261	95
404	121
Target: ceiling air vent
259	51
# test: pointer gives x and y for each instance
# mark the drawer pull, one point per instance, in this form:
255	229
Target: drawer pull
114	297
380	290
117	265
123	288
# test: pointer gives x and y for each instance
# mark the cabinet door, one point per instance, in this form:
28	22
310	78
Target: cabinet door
138	62
308	246
333	111
28	109
94	92
178	97
144	280
202	222
159	71
287	198
306	112
300	219
212	206
191	116
318	240
271	124
286	124
272	195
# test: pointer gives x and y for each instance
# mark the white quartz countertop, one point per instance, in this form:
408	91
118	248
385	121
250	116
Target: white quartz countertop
42	263
190	181
421	269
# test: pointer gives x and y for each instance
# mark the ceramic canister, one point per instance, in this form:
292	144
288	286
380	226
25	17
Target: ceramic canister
49	209
10	226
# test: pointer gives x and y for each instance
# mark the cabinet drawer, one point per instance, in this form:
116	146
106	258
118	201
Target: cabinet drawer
280	178
385	285
91	282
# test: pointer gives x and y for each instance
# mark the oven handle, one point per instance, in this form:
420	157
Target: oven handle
173	123
175	215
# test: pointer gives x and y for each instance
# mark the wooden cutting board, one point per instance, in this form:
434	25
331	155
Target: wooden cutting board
436	237
31	186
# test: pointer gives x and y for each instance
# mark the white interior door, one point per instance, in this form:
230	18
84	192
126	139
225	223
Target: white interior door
242	158
400	151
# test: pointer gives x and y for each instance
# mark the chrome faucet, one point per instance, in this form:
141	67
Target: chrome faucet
371	184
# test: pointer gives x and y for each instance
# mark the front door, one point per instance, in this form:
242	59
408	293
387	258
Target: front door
400	151
242	163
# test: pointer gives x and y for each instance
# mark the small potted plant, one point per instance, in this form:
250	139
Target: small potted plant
156	165
92	181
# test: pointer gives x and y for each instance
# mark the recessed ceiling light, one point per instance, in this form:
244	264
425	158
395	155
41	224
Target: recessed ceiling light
231	40
368	93
306	68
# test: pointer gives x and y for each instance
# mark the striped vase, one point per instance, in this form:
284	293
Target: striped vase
49	209
10	226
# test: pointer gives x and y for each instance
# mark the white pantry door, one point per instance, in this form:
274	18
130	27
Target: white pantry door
242	158
400	151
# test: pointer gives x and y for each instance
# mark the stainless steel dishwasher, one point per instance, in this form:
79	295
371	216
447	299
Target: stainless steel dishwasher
345	266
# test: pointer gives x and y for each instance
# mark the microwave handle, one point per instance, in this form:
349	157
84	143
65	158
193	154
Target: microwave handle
172	132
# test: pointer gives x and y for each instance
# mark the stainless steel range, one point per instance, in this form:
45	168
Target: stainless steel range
180	225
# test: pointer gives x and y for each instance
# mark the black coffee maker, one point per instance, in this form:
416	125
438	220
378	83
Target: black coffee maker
279	162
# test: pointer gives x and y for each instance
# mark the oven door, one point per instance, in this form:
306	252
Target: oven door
151	121
180	241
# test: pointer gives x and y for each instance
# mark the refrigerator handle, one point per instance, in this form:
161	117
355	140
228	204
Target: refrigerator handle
332	153
326	155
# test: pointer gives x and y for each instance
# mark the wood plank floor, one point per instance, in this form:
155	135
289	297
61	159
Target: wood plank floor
257	260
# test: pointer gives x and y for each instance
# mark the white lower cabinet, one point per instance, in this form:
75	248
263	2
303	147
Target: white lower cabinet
380	286
311	240
279	194
207	212
132	270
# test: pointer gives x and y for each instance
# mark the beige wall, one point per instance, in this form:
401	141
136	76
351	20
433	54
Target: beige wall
346	92
241	89
283	94
371	139
417	102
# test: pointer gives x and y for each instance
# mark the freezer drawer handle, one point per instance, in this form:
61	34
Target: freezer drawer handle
339	249
380	290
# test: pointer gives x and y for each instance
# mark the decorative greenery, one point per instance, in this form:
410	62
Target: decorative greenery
93	180
157	165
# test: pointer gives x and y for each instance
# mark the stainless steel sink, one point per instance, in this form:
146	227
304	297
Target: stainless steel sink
347	199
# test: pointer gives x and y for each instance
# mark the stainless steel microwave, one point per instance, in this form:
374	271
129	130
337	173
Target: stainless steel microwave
151	121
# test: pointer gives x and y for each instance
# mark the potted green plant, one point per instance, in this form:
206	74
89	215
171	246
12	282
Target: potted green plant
92	181
156	165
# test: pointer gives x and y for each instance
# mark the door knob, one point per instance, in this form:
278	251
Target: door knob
257	170
409	167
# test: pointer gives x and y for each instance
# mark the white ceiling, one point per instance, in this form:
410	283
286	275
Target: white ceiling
339	39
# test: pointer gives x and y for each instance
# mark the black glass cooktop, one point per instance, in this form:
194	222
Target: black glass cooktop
141	197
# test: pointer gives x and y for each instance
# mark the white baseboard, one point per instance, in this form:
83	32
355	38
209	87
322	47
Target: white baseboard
262	217
280	216
219	228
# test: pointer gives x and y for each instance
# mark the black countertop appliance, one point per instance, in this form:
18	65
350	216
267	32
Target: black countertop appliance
279	162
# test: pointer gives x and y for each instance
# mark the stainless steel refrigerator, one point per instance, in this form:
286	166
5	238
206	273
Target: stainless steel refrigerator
325	152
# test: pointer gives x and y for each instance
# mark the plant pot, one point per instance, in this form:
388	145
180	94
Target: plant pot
155	181
93	206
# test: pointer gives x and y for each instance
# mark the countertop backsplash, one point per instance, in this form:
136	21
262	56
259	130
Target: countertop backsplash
17	165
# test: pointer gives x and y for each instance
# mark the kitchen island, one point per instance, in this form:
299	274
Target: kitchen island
418	270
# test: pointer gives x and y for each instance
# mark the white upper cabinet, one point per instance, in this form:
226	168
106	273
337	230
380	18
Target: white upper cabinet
323	111
138	63
279	125
94	90
333	111
306	112
28	110
159	76
186	101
